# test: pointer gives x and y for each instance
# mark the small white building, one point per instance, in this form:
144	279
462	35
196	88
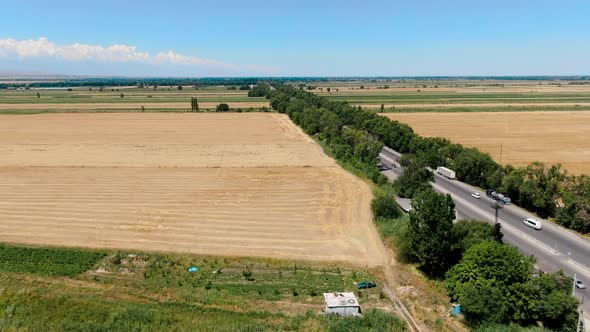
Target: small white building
341	304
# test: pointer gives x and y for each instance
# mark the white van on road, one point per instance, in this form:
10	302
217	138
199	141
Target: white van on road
533	223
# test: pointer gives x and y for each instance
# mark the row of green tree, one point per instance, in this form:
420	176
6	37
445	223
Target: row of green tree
509	287
547	191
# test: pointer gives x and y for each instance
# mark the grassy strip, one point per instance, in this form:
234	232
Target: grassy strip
429	95
141	291
61	262
486	109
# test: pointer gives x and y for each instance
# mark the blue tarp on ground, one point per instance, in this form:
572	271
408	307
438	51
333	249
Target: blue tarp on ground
193	269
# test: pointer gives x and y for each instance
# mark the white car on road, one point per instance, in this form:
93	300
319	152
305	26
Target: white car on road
476	195
580	284
533	223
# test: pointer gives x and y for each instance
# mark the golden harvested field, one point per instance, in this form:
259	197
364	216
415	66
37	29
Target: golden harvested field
219	184
550	137
156	140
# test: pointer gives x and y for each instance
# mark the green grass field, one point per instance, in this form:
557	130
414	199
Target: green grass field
110	100
134	94
479	98
459	95
429	97
144	291
419	109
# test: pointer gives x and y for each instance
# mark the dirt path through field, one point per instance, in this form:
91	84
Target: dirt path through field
125	105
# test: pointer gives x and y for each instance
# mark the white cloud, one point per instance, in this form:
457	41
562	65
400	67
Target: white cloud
43	48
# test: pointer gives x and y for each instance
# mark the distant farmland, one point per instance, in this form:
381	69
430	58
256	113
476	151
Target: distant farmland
84	100
523	137
458	96
217	184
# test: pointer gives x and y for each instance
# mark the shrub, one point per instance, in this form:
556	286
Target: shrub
385	206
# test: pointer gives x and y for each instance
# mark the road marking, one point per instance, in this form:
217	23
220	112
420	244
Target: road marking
516	232
505	224
551	225
579	266
522	213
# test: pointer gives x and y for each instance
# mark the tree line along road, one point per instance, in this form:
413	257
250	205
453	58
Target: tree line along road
554	247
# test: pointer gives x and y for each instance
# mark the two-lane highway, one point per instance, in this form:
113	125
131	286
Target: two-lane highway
556	238
554	247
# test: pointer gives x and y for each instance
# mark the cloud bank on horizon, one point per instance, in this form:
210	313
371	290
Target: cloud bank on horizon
43	48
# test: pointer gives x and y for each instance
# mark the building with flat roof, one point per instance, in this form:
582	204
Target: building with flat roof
341	304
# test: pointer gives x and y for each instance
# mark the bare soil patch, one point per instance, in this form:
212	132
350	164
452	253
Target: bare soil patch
550	137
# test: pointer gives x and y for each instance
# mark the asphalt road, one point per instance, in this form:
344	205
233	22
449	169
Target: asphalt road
555	248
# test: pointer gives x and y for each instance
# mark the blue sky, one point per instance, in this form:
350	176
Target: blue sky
296	38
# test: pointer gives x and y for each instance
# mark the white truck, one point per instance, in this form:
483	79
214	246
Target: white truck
448	173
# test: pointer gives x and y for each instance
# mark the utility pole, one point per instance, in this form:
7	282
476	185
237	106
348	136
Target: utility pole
574	285
581	327
497	206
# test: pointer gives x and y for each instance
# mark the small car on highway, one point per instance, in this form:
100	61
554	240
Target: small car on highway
533	223
476	195
580	284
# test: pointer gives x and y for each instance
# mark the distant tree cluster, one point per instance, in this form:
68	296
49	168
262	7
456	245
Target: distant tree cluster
222	108
260	90
194	104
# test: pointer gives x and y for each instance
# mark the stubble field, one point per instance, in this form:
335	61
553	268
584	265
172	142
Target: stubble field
215	184
518	138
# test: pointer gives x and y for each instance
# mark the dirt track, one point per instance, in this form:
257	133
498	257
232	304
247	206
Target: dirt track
125	106
550	137
222	184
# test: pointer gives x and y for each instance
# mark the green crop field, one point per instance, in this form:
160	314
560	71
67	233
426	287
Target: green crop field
113	95
459	95
124	99
511	108
64	262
